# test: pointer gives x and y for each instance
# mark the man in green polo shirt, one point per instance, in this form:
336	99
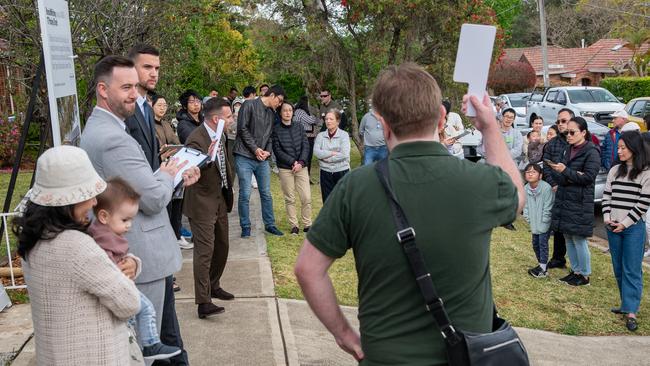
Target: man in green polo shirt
452	204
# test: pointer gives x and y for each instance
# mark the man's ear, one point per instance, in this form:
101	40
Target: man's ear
101	90
442	120
103	216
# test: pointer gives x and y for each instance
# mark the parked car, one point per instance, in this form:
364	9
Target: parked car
517	101
584	101
637	109
599	131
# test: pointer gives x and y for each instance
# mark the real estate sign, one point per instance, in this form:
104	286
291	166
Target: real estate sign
59	70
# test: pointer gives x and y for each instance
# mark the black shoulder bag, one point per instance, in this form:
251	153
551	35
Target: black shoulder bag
502	346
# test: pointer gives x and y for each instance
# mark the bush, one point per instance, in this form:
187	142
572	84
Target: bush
9	137
510	76
627	88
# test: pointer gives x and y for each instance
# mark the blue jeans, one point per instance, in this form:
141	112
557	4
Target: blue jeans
145	322
626	249
374	153
540	246
579	255
245	169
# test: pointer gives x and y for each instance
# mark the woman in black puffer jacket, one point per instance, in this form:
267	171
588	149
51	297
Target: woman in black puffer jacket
573	211
189	116
291	150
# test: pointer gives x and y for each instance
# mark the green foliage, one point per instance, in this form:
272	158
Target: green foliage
627	87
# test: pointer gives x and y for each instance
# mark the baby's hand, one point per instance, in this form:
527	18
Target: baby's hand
128	266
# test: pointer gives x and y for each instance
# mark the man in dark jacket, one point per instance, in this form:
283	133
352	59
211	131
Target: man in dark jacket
141	125
252	151
554	151
291	150
189	116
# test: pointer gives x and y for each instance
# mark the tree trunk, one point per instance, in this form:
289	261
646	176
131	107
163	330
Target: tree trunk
354	122
394	45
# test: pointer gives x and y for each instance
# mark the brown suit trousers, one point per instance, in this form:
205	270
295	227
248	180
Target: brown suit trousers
205	206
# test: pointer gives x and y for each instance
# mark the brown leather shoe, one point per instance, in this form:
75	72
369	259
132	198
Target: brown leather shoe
222	294
209	309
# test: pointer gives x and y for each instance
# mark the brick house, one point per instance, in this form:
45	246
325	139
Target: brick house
577	66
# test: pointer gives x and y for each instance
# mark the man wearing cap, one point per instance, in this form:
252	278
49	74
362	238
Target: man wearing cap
609	155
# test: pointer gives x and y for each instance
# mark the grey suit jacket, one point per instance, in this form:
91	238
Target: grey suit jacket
116	154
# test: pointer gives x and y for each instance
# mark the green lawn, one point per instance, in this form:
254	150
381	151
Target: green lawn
526	302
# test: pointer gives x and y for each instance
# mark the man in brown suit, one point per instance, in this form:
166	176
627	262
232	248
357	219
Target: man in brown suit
207	204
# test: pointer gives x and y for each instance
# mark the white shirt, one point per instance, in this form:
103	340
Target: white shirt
141	101
114	116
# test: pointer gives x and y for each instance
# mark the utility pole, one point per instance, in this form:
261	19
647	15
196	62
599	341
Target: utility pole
542	29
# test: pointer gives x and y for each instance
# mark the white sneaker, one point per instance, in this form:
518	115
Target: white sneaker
184	244
647	253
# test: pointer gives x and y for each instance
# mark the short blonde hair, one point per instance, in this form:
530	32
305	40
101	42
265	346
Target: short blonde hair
408	98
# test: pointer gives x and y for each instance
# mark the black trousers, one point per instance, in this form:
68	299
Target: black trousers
311	141
328	181
559	248
175	211
170	332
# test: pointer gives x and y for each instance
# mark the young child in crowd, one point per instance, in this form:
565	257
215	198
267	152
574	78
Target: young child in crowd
537	212
116	207
535	147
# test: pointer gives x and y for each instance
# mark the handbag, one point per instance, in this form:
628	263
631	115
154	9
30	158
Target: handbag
502	346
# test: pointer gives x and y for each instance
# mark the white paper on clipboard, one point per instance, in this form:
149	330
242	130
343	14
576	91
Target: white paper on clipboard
473	59
220	126
192	156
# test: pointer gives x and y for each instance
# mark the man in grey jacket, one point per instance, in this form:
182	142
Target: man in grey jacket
116	154
252	151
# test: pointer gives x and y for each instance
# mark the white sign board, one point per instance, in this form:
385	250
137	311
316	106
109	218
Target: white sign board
473	59
59	71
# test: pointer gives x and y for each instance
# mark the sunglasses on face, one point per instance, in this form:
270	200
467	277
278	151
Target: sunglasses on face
324	95
573	132
562	121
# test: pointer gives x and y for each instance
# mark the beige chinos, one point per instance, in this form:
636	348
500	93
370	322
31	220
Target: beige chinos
296	182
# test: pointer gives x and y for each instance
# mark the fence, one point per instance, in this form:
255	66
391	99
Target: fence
7	227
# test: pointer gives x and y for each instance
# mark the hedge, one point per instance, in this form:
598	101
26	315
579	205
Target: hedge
627	87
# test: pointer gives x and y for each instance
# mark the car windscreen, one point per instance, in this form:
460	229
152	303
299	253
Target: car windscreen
518	101
591	96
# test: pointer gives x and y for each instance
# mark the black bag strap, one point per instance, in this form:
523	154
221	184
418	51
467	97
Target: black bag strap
406	238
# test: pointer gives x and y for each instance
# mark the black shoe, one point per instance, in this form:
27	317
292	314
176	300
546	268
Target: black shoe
273	230
209	309
568	277
306	229
175	286
578	280
617	311
295	230
159	351
222	294
538	272
510	227
554	263
245	232
631	324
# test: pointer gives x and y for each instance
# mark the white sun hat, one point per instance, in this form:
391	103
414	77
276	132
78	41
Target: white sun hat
65	176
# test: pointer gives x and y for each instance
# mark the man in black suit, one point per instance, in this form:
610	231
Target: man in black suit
141	124
141	127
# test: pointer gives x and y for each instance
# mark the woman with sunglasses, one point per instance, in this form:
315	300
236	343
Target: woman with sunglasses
625	202
573	212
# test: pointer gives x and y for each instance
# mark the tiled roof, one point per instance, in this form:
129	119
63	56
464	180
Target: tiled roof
599	56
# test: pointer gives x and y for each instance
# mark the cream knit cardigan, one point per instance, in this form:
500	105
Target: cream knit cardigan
80	302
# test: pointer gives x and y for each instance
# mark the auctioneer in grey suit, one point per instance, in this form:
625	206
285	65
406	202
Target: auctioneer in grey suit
114	153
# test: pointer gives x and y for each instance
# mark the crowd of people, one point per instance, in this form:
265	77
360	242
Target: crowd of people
103	222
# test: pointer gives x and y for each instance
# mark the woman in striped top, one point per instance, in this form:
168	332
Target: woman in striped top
625	202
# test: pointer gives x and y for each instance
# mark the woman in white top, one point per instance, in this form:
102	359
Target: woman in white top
332	149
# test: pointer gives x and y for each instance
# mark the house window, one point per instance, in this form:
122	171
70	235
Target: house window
585	82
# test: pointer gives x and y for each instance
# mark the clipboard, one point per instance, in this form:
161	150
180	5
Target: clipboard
194	158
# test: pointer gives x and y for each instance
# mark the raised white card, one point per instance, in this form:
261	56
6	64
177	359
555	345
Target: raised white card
473	59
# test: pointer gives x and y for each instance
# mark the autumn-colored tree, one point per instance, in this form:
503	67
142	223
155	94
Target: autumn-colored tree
510	76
